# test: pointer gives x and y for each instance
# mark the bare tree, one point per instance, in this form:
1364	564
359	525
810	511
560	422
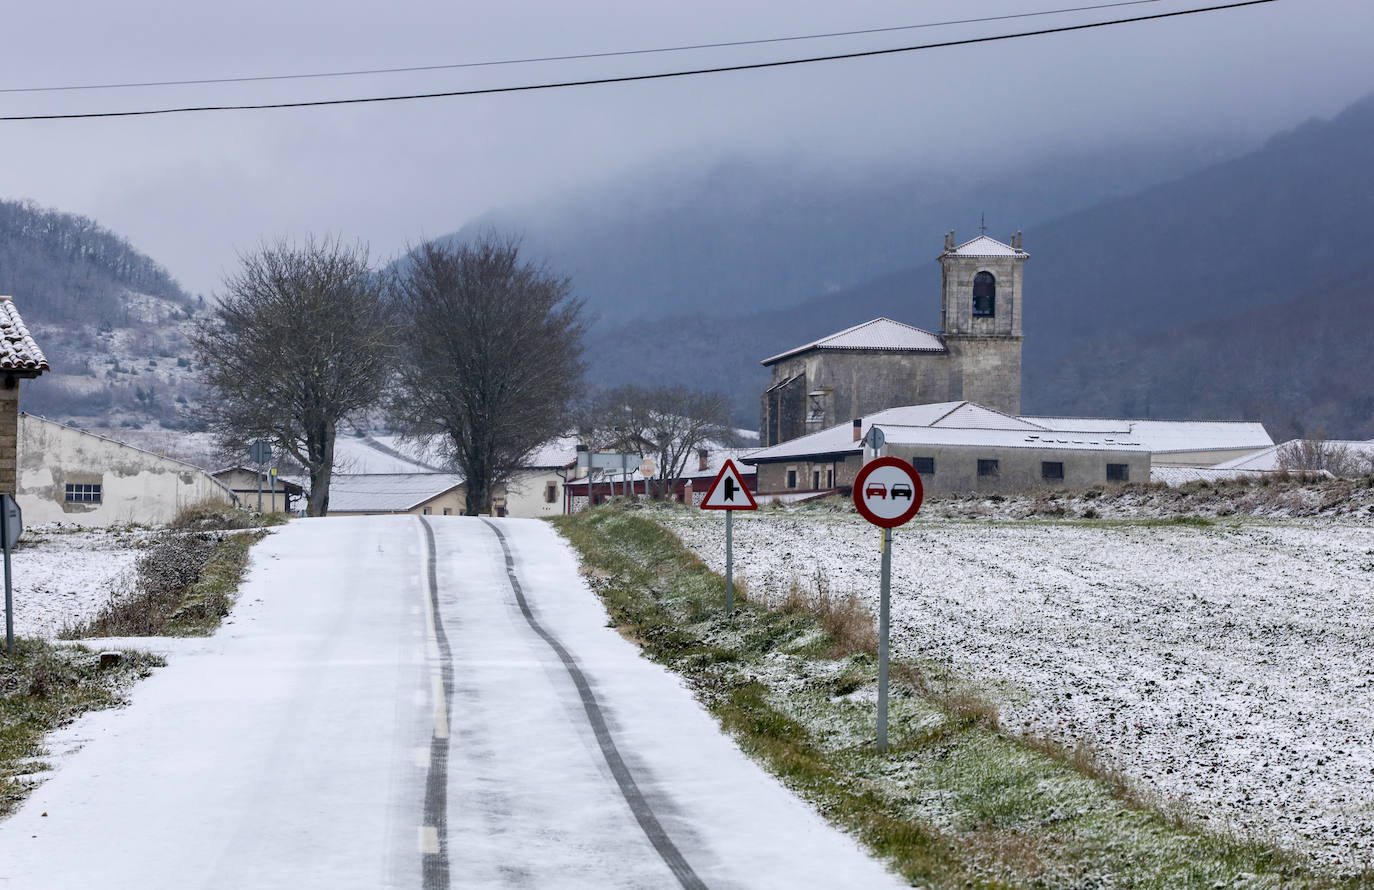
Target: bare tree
493	351
1316	455
301	340
668	423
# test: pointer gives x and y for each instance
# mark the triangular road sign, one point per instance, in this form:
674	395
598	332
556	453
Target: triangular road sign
729	492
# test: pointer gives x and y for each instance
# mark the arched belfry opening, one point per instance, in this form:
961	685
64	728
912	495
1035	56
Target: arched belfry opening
984	295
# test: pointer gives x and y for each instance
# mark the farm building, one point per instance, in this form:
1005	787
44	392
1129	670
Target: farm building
250	487
439	494
963	447
70	475
20	357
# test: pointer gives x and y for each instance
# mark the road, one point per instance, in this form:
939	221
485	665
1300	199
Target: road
415	703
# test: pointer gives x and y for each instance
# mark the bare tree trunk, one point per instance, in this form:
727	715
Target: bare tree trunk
321	473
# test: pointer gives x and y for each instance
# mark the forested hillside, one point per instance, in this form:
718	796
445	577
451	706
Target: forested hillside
67	268
111	320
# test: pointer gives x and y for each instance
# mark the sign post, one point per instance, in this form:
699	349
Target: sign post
729	493
11	524
888	493
261	453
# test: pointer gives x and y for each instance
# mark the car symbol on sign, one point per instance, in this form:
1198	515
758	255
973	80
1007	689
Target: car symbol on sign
876	490
901	490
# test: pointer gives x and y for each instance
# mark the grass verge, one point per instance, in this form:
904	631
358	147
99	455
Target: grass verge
43	687
956	802
184	585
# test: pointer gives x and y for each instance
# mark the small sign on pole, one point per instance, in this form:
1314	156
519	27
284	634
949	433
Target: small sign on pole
261	454
888	493
11	525
729	493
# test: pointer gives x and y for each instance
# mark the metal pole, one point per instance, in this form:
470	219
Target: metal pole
729	563
259	488
882	640
272	478
9	592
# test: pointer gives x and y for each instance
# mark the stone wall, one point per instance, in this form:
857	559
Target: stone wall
9	433
986	370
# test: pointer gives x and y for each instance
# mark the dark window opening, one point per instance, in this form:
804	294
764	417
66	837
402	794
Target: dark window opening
924	465
984	295
1118	472
83	494
815	480
791	478
1052	470
988	468
830	478
550	492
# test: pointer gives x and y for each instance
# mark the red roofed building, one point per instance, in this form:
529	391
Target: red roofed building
20	357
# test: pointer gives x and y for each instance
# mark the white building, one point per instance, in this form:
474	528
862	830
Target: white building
70	475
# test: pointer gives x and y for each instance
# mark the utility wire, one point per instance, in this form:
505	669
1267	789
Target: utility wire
631	78
567	58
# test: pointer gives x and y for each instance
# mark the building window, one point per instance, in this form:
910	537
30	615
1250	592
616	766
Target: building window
984	295
1052	470
924	465
424	510
83	494
448	511
550	492
1118	472
815	480
791	478
988	468
830	478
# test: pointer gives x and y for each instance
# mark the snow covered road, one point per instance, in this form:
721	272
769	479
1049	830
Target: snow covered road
375	717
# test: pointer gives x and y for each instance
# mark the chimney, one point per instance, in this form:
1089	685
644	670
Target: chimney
703	459
858	428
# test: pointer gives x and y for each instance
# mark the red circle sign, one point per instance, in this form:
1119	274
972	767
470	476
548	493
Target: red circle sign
888	492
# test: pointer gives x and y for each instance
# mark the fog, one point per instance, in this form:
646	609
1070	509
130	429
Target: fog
195	189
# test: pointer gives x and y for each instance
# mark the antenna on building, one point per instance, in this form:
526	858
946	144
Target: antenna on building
983	223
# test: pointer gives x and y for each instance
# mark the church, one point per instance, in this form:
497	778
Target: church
884	364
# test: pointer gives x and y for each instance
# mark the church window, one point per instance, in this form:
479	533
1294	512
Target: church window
984	295
1118	472
924	465
987	468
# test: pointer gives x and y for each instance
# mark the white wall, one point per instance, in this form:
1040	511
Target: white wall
136	486
525	498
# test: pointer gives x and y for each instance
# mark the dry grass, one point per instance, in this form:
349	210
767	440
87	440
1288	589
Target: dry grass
847	621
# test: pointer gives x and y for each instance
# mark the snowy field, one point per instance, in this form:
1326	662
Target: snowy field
62	576
1229	667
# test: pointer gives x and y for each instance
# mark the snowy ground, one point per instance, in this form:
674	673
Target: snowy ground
1227	667
63	575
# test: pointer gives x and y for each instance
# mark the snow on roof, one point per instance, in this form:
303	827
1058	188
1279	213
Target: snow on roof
840	439
359	455
18	351
983	246
555	453
972	416
1166	436
878	334
1176	476
387	492
1268	459
1013	438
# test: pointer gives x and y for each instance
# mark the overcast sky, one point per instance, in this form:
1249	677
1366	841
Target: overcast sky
193	190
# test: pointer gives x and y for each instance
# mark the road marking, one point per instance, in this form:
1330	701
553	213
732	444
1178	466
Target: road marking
629	788
434	863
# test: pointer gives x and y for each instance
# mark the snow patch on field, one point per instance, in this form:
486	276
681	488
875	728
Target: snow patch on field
1227	667
62	577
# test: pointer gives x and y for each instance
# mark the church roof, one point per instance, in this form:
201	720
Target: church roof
879	335
983	246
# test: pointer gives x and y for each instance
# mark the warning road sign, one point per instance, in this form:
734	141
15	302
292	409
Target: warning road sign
729	492
888	492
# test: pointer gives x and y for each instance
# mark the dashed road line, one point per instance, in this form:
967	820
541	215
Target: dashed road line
629	789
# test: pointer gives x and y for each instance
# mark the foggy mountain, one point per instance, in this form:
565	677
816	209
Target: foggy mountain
748	236
1213	246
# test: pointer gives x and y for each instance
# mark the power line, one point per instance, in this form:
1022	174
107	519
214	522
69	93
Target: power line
565	58
631	78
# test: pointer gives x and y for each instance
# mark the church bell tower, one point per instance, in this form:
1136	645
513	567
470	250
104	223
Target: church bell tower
980	320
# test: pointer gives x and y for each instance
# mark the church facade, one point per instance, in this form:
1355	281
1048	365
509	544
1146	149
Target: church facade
884	364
